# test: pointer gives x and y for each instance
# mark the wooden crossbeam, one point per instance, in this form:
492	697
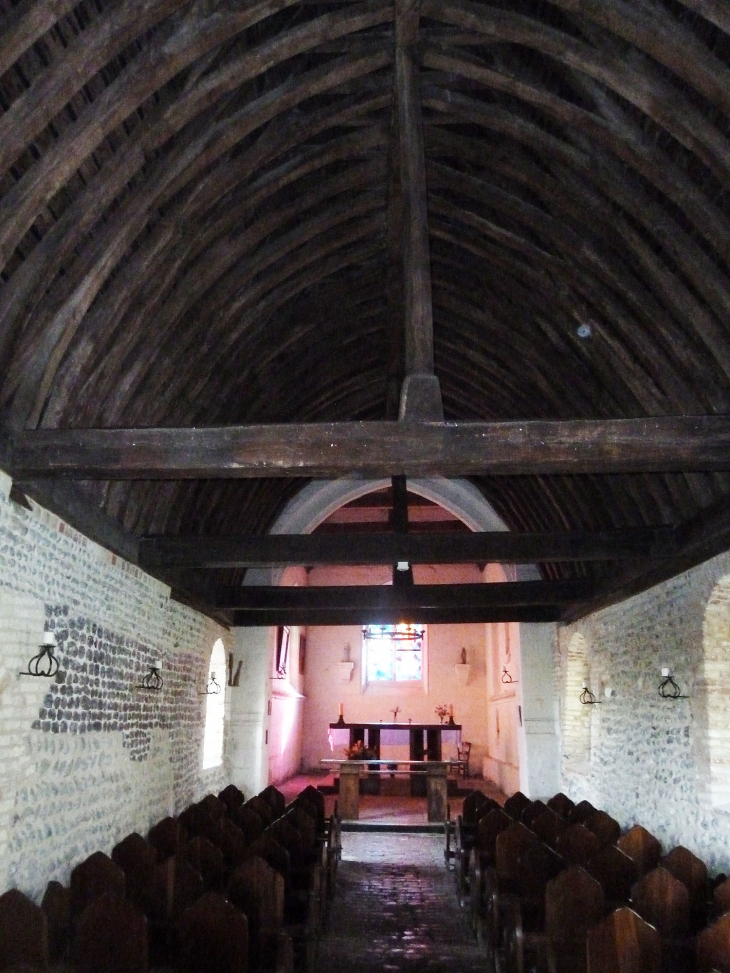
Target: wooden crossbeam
412	599
375	449
389	616
505	547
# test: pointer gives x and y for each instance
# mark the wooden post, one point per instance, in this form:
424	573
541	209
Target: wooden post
349	801
436	791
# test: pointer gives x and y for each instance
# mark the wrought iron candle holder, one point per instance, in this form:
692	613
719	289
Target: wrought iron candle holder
213	688
668	688
152	682
44	664
588	698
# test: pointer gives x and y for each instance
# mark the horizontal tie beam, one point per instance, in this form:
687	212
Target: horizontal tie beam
377	449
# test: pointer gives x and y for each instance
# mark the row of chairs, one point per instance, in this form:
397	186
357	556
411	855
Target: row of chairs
229	886
557	887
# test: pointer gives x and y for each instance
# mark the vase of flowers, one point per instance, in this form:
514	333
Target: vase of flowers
442	712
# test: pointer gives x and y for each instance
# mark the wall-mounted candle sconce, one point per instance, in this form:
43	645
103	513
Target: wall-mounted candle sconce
152	682
506	677
45	663
213	688
587	697
668	688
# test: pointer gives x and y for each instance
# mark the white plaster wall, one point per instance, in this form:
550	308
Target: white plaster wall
324	687
649	758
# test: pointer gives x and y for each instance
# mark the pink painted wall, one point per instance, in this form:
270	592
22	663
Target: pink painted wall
286	702
324	687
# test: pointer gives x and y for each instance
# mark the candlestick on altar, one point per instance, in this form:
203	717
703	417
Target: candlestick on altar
341	720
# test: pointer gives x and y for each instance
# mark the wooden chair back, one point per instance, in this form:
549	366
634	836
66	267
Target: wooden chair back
533	810
166	837
488	829
604	827
663	902
574	902
538	864
579	812
258	891
248	822
206	859
262	808
721	898
23	932
56	905
233	843
305	824
272	852
214	806
616	872
288	837
313	797
510	845
138	860
473	801
577	845
548	826
179	884
232	797
275	799
561	805
199	822
111	936
93	878
713	947
692	871
642	846
213	937
515	805
624	943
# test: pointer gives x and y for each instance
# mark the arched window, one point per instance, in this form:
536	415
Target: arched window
576	716
215	709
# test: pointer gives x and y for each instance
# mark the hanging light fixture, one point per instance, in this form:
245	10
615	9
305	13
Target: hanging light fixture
44	663
213	688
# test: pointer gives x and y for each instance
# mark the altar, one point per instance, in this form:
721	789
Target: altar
423	751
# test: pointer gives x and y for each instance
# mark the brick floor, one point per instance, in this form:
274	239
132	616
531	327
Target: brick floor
395	909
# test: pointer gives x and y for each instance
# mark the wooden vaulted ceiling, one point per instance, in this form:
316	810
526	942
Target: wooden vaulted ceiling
201	224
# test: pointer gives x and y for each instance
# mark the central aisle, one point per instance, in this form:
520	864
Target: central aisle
395	909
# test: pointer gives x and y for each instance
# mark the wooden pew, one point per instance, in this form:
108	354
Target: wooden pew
663	901
92	878
577	844
213	937
574	903
248	822
465	838
713	947
721	898
616	872
207	860
200	821
533	810
516	804
624	943
604	827
642	847
692	871
258	891
579	812
111	936
138	860
56	905
166	837
275	799
232	797
561	805
548	826
483	858
23	932
262	808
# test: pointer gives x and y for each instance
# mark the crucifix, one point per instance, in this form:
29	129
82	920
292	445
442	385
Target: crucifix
395	713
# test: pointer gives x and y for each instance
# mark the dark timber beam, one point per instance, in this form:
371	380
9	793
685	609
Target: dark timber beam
284	550
386	616
421	393
410	599
663	444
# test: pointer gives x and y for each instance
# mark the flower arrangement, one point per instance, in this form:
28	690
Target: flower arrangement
443	711
358	751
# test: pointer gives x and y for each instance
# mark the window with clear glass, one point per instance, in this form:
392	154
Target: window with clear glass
215	708
393	653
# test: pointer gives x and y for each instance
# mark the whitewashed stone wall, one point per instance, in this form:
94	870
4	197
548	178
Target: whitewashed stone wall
85	758
663	764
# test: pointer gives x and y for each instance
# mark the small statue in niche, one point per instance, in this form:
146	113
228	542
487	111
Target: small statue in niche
463	656
347	652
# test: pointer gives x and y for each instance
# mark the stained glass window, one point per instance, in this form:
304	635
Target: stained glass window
393	653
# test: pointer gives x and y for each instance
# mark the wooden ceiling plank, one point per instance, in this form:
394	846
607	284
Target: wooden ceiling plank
664	443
